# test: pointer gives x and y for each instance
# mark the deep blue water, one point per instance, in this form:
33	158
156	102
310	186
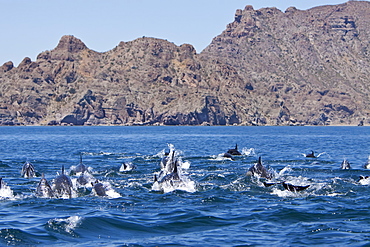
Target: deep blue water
227	208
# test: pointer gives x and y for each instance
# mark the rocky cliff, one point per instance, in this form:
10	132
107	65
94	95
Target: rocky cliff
267	68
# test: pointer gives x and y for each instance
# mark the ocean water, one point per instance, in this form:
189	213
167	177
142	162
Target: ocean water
218	205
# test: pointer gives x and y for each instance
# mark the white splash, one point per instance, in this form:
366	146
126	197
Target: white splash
185	165
248	152
168	186
285	169
111	193
6	192
69	224
285	193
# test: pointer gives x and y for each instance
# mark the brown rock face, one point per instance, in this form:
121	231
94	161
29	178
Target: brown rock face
303	67
267	68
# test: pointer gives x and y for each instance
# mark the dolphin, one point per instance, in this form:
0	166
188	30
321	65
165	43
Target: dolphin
234	151
259	170
173	176
311	155
63	184
44	189
2	184
126	167
99	188
168	165
228	155
28	170
364	180
82	179
168	162
80	167
287	186
294	188
364	177
345	165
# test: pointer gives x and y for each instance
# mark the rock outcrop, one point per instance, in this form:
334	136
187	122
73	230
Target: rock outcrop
267	68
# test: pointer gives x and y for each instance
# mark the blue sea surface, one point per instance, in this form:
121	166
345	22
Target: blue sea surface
227	207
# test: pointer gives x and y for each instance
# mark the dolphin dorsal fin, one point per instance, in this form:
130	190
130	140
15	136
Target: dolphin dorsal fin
175	168
63	169
173	154
80	158
260	160
236	146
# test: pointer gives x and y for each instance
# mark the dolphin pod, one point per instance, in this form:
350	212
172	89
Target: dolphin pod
169	174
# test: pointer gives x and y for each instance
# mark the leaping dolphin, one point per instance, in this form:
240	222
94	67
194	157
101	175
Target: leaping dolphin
44	189
28	170
63	185
259	170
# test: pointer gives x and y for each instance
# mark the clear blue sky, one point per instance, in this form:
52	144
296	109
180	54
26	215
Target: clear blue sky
29	27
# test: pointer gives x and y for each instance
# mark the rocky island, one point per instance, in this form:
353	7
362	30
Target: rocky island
268	67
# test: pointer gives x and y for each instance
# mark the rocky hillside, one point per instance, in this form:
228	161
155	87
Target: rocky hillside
267	68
